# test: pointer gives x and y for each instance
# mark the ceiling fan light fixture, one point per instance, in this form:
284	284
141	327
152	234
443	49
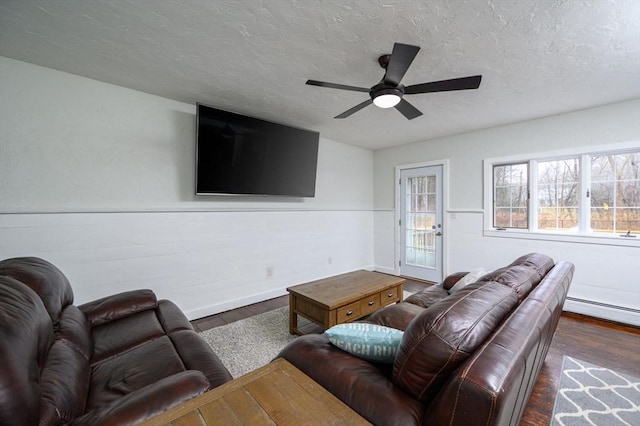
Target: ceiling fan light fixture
386	100
389	93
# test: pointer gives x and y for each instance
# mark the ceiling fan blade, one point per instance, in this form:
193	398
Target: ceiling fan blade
336	86
408	110
355	109
401	58
463	83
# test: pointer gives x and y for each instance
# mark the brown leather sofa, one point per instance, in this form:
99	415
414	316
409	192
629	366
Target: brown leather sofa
467	358
118	360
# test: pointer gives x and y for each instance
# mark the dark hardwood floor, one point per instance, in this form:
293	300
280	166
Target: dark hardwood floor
604	343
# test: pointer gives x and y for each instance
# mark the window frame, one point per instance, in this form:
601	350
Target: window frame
493	190
583	234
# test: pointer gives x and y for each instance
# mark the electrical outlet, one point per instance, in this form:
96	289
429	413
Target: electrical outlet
269	271
330	260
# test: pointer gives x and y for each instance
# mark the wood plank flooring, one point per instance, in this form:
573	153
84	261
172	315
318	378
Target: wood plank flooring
604	343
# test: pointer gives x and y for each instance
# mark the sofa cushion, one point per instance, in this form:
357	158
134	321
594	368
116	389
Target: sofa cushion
45	279
396	316
75	331
117	306
134	369
372	342
64	383
115	337
523	274
143	404
445	334
428	296
25	337
64	379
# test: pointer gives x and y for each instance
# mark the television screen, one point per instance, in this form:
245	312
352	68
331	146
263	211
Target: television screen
236	154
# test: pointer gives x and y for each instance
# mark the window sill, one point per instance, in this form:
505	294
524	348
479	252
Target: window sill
567	238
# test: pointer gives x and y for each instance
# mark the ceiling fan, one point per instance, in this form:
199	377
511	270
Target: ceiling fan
389	92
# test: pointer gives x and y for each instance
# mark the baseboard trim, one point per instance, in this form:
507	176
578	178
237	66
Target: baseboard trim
384	270
228	305
605	311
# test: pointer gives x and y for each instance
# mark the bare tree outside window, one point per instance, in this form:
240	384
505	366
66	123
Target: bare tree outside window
421	208
510	196
558	196
615	193
583	194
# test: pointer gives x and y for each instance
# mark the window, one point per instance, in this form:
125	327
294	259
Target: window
586	194
615	193
558	186
510	186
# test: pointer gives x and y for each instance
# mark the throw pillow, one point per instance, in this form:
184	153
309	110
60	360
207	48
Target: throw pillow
372	342
470	278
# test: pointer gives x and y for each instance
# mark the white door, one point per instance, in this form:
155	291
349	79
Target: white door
421	223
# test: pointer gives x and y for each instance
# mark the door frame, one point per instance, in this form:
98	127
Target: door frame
445	210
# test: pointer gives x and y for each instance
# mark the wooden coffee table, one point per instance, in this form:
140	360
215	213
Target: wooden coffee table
276	394
342	298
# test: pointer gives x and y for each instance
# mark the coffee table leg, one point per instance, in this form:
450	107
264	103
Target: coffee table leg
293	317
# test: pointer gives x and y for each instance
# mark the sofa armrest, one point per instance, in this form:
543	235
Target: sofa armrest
147	402
364	386
117	306
396	316
196	354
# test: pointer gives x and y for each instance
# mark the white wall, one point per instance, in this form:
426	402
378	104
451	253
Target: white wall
99	180
74	144
604	274
613	123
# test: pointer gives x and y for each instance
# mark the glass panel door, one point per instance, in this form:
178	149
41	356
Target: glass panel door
421	223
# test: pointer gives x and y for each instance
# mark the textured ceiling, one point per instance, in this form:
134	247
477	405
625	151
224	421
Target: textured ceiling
537	57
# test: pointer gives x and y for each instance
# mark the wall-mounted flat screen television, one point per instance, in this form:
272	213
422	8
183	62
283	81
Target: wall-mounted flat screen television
236	154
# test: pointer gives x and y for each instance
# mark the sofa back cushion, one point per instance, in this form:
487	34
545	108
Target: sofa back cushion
439	339
523	274
45	279
25	337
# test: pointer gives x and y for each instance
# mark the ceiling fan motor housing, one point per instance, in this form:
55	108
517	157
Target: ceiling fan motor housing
385	89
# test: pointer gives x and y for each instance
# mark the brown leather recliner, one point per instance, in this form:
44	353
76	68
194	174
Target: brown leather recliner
467	358
118	360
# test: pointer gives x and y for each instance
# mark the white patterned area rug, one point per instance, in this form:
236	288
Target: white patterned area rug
592	395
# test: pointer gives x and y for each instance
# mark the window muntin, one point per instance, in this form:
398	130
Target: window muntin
421	221
596	194
510	196
615	193
558	194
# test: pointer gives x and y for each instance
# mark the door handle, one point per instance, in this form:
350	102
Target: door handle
438	234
